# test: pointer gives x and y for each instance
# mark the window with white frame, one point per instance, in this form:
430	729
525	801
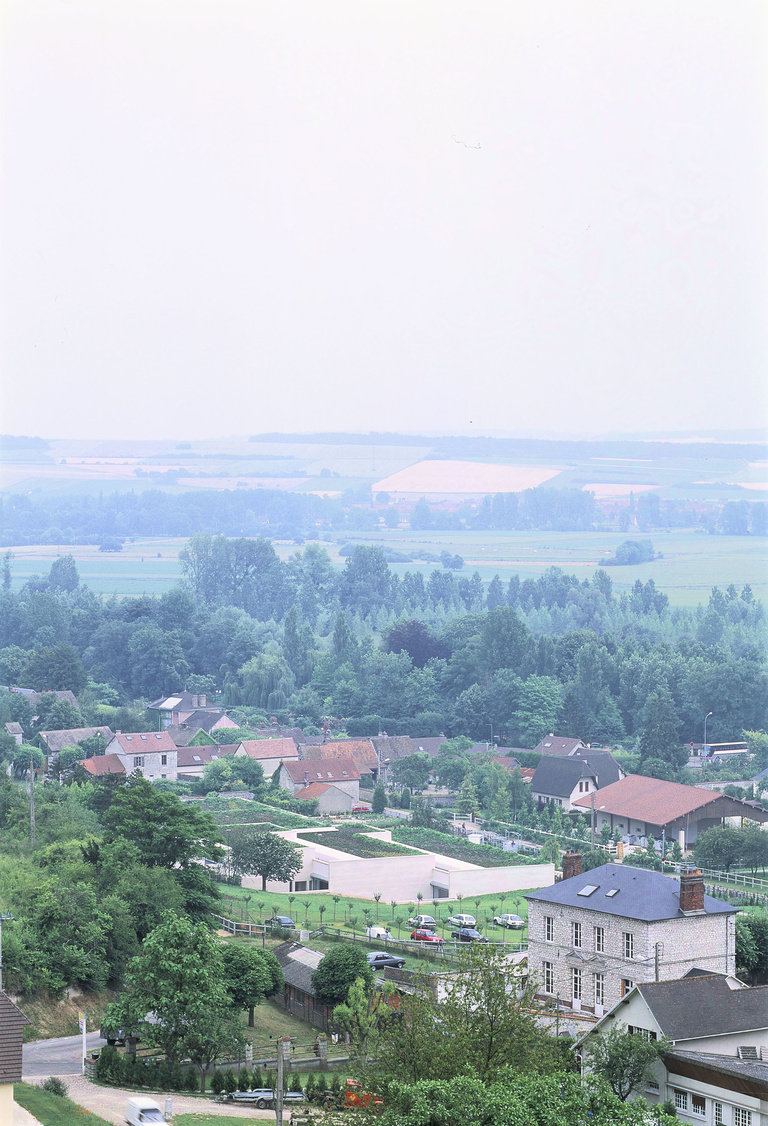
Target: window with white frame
626	985
576	984
717	1114
600	940
549	928
629	944
681	1099
599	989
163	760
576	934
138	762
698	1105
549	977
742	1117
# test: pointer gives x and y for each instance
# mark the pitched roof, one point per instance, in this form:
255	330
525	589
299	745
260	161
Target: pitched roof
181	733
705	1005
638	893
507	763
361	750
298	963
313	790
651	799
143	742
322	770
12	1021
183	701
103	764
394	747
197	756
269	748
14	728
557	745
56	741
559	776
430	745
35	697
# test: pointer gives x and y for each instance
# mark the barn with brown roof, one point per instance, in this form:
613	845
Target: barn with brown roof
642	807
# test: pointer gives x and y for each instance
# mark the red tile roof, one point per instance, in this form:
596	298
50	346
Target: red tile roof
323	770
269	748
361	750
313	790
143	742
103	764
649	799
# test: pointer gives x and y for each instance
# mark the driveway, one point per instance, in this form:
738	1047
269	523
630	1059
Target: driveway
62	1057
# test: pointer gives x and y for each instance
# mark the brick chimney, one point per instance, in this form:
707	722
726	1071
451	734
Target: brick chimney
691	891
201	700
571	864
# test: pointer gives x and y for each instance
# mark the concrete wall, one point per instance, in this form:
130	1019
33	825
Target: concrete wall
401	878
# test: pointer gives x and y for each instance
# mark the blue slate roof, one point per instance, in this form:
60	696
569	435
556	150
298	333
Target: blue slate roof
638	894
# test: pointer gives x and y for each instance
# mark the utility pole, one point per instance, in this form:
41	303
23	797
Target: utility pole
31	803
658	950
592	820
283	1050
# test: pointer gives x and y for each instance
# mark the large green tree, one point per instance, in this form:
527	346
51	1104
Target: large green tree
623	1059
267	855
176	997
339	969
250	975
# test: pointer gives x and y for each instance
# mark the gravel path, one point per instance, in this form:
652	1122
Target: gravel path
110	1102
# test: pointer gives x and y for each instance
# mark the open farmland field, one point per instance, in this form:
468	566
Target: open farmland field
433	478
692	562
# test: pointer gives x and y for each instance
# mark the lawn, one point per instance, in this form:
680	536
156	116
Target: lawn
304	909
52	1110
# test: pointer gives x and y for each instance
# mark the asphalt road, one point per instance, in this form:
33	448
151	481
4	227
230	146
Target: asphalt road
63	1056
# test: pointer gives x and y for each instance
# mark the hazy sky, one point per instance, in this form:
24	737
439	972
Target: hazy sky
231	216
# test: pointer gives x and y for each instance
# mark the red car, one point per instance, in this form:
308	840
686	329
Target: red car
426	936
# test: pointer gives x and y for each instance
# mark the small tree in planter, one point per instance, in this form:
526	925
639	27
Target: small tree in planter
336	901
377	897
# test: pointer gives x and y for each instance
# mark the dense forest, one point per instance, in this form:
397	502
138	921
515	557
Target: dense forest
303	640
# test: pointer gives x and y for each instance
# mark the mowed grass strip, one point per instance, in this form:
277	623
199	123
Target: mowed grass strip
53	1110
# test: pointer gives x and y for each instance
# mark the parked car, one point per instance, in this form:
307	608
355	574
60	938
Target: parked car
361	809
281	921
511	922
425	922
421	934
265	1096
375	931
462	921
381	958
468	934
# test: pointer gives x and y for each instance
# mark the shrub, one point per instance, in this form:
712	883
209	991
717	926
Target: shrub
217	1083
177	1077
295	1082
191	1082
55	1086
230	1082
257	1080
244	1079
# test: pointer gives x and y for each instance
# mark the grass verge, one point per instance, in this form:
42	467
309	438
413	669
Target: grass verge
52	1110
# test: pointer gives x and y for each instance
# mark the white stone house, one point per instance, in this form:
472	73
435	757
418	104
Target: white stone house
562	781
339	772
595	935
154	753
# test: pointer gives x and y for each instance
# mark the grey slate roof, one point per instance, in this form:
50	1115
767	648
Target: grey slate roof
696	1006
641	894
559	776
298	963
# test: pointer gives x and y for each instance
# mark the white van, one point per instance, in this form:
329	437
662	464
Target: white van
139	1111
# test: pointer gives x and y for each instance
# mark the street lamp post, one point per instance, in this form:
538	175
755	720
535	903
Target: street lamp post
704	748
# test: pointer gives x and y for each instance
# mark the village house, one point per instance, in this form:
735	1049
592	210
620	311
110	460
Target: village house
189	708
562	781
153	753
595	935
341	772
637	806
717	1070
269	753
556	745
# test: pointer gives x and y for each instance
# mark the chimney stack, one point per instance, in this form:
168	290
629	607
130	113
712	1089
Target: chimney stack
571	864
202	700
691	891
